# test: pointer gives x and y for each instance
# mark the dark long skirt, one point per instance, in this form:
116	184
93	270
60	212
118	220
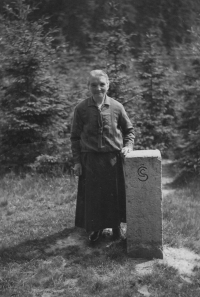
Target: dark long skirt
101	198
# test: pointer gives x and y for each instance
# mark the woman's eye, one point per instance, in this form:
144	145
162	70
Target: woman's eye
95	85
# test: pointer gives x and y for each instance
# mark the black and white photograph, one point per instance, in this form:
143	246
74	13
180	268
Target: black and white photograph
99	148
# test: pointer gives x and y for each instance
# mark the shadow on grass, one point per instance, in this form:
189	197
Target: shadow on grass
71	243
34	249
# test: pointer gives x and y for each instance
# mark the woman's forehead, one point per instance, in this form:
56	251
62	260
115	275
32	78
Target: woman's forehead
98	79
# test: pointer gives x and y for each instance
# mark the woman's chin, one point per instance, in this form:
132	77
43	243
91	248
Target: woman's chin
98	96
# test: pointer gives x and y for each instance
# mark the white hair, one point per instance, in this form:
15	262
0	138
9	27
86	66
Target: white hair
97	73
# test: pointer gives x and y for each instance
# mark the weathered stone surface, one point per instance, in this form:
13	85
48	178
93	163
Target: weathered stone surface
144	204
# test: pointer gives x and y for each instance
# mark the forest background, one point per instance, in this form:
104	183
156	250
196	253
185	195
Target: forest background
150	50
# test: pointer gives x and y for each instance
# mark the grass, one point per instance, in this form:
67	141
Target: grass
43	255
182	218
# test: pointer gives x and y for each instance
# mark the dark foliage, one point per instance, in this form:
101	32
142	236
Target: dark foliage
78	20
148	51
188	150
111	52
156	116
30	102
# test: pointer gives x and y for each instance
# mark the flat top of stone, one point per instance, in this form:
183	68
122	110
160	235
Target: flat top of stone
144	154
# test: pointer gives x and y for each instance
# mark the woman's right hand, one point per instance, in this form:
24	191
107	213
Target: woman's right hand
78	169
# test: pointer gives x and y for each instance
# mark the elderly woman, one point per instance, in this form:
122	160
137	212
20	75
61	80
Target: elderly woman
101	136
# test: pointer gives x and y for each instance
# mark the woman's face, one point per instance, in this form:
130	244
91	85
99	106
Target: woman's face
98	87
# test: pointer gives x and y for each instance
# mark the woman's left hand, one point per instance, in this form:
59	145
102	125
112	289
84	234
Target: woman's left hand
125	150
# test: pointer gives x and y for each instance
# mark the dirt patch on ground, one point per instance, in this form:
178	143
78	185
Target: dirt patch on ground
182	259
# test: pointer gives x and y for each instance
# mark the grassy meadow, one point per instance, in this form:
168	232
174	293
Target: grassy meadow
43	255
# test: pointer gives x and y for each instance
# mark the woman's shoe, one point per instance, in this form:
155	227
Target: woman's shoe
94	236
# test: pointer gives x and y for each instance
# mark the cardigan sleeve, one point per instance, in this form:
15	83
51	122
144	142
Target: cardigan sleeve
127	129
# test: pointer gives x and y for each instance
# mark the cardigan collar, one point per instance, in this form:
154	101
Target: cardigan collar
91	101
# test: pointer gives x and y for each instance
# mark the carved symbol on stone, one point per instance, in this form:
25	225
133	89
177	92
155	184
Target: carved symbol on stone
141	172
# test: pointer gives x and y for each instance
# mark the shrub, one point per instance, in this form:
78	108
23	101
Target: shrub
30	103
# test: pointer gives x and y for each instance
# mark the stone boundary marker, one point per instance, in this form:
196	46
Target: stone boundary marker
144	204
